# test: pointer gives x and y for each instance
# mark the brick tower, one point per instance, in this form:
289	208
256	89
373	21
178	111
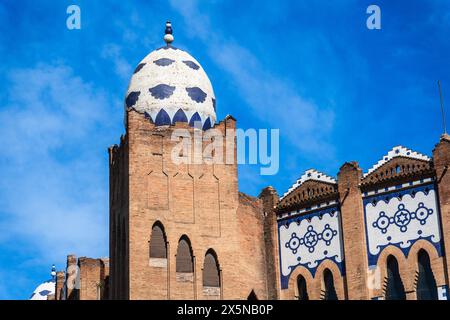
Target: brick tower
180	229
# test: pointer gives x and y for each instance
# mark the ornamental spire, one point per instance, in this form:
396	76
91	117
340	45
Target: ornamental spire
168	37
53	273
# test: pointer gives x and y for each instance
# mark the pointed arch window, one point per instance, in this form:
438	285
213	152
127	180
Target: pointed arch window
184	262
330	290
158	242
211	271
302	289
394	285
426	284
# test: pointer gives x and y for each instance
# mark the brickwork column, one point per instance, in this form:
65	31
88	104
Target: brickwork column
269	199
353	234
60	275
90	274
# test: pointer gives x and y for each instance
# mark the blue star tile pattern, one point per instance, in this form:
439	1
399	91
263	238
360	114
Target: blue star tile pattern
311	238
402	218
293	243
308	239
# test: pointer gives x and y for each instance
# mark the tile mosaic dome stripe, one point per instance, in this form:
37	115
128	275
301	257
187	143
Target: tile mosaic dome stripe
170	86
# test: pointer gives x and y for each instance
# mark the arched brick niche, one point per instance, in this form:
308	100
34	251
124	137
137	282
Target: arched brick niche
408	269
301	289
158	246
184	260
292	293
394	288
329	270
315	285
211	277
379	284
436	270
157	272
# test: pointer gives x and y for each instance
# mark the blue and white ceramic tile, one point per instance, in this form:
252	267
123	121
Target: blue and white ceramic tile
401	218
309	239
170	86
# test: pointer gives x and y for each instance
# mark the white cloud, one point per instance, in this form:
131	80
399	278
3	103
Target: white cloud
272	99
113	53
54	164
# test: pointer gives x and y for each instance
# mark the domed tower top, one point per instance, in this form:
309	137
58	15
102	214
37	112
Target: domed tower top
169	86
46	288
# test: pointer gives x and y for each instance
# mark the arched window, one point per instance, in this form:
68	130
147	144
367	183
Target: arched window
211	275
330	291
394	285
301	287
426	284
158	242
184	263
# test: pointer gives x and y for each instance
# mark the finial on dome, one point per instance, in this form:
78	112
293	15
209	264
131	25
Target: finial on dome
168	37
53	273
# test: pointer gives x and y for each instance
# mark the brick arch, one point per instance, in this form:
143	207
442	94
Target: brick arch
158	241
211	275
337	278
211	266
425	245
310	285
184	255
404	270
437	264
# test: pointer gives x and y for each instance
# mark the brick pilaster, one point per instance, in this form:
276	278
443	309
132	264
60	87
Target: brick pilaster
269	199
352	214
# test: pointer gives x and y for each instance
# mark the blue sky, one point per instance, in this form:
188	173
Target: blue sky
336	90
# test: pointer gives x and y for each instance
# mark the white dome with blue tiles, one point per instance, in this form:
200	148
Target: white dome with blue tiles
45	288
170	86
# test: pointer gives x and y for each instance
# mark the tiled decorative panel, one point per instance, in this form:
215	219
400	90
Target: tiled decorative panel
400	218
309	239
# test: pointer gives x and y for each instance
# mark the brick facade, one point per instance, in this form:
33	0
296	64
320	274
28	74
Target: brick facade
201	203
198	201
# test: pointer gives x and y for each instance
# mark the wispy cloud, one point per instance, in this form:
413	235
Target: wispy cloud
113	53
272	99
54	177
